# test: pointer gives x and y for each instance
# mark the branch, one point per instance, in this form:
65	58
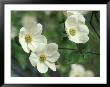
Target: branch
76	49
94	53
93	26
67	48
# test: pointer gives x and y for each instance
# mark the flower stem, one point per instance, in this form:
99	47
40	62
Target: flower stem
67	48
76	49
94	53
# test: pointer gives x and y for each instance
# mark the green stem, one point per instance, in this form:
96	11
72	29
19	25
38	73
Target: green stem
76	50
67	48
94	53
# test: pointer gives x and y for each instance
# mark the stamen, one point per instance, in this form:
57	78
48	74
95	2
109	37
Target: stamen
43	57
72	31
28	38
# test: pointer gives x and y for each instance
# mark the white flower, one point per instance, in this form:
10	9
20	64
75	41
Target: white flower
28	18
48	13
13	32
77	70
76	29
83	12
77	16
45	58
80	12
30	36
89	73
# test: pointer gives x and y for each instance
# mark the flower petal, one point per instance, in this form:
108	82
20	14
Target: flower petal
83	12
32	47
89	73
27	18
79	38
83	28
71	21
83	38
39	29
51	65
77	70
42	67
33	59
22	42
69	13
54	57
40	39
22	29
38	43
33	28
81	18
51	48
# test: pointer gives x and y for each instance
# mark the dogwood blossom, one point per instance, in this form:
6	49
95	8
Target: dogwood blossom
45	58
77	70
30	36
83	12
89	73
69	13
28	18
76	29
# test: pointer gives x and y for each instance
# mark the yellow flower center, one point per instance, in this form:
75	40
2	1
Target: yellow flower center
28	38
72	31
43	57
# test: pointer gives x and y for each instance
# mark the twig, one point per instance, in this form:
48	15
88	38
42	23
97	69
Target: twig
67	48
94	53
76	49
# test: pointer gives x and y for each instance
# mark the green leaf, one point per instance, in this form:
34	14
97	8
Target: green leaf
22	60
92	62
19	55
74	57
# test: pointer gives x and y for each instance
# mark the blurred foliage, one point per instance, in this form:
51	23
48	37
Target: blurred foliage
53	29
